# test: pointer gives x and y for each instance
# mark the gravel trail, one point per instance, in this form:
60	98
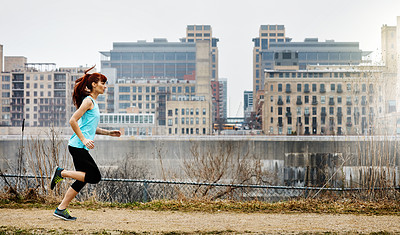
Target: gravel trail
116	220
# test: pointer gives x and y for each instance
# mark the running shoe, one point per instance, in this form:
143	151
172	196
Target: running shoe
56	177
63	214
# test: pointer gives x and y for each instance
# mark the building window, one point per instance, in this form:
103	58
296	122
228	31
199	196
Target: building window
124	89
279	87
314	87
298	111
331	110
279	110
322	87
288	99
299	87
322	99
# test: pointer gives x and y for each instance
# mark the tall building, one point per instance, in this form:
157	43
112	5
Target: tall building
219	93
40	96
267	34
267	50
147	95
223	82
151	77
155	77
198	116
157	59
196	33
332	100
389	47
247	104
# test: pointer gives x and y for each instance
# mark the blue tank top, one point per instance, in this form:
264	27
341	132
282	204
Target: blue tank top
88	125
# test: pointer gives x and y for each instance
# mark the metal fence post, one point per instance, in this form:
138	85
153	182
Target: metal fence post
145	192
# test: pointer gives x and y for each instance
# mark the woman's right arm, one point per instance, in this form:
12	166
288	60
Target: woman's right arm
73	121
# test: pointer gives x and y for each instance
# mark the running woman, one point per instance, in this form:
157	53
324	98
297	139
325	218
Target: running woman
84	123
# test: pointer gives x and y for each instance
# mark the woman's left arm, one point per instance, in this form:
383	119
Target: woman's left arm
115	133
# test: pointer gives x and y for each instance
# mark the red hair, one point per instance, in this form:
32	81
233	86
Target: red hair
83	84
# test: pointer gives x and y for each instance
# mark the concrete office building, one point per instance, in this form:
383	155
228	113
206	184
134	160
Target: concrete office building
196	33
188	117
194	116
247	104
390	58
162	67
389	47
326	100
157	59
267	34
309	52
223	82
219	94
151	95
40	96
148	95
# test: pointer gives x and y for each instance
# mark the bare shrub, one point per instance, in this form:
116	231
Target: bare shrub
223	162
43	155
131	167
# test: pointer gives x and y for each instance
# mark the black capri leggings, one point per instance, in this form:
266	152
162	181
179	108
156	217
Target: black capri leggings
84	162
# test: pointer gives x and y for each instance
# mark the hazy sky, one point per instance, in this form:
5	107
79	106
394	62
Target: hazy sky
71	33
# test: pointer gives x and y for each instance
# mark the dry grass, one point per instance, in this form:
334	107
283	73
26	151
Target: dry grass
326	204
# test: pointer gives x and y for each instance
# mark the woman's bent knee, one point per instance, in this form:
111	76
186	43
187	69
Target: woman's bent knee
93	179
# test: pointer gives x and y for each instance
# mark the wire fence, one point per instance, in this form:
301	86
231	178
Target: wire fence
133	190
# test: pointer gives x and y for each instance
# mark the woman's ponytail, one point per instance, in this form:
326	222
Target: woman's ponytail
83	86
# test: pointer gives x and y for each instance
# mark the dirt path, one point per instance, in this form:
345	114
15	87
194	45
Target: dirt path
115	220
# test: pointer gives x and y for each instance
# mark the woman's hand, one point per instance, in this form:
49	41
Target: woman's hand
88	143
115	133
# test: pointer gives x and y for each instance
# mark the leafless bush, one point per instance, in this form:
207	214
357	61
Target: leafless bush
39	157
224	162
116	191
43	155
376	161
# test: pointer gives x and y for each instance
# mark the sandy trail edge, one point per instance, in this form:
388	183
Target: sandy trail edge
168	221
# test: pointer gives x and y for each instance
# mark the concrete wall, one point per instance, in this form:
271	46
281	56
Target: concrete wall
292	160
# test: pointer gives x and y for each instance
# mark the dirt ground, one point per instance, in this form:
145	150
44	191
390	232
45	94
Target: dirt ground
117	220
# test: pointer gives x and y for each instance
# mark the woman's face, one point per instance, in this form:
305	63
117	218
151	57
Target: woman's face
99	87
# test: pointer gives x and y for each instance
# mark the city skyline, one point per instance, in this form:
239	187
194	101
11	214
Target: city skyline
73	33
